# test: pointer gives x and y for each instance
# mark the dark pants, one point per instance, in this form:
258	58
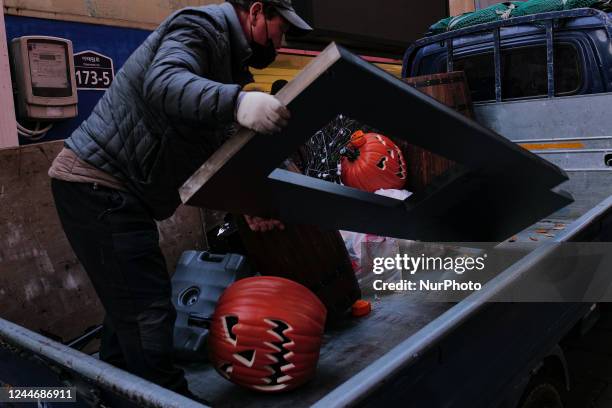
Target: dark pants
117	242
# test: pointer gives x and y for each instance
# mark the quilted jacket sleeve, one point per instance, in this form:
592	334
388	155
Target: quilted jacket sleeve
176	83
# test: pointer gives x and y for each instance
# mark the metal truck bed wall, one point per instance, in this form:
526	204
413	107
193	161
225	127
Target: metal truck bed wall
575	133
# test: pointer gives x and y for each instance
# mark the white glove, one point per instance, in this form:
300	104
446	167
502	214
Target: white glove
261	112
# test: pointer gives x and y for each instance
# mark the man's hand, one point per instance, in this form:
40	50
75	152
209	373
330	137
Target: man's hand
258	224
261	112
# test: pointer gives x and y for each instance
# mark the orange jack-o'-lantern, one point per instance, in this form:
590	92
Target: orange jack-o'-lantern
372	162
266	333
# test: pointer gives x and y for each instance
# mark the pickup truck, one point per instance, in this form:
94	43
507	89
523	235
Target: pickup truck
542	81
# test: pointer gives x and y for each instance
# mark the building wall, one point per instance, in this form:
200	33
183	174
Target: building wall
117	43
144	14
114	28
461	6
42	284
8	133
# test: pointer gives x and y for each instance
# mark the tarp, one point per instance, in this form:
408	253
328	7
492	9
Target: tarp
506	10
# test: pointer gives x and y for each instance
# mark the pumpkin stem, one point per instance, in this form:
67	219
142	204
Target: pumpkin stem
349	153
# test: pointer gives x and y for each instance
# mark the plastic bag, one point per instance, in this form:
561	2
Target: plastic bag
363	248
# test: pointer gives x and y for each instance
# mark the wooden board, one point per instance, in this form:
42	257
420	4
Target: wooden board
242	177
452	90
42	285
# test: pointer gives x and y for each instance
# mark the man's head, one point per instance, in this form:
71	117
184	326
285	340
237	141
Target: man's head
267	21
261	22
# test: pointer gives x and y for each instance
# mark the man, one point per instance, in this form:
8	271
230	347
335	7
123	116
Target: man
169	108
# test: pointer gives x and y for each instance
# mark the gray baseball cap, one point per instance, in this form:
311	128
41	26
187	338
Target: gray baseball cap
285	9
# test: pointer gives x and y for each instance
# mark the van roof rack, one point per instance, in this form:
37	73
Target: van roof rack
546	19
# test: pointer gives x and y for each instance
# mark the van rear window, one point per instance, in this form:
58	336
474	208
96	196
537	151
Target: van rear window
523	72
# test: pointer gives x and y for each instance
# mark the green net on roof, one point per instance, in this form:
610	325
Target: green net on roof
487	15
503	11
542	6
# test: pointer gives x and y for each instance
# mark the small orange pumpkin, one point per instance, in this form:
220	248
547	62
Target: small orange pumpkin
372	162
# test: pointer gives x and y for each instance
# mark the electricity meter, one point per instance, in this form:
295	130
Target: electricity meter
44	75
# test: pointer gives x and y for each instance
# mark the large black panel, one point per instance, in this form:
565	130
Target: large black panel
498	190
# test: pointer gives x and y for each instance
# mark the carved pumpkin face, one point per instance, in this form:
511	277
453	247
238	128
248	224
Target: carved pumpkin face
372	162
266	333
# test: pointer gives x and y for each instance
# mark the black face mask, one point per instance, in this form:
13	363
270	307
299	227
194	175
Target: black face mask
263	55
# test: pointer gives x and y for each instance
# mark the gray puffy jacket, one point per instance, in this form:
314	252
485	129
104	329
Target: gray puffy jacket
170	106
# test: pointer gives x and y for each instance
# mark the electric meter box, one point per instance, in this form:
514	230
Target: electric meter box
44	75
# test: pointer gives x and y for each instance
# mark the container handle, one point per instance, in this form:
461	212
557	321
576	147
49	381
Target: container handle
208	257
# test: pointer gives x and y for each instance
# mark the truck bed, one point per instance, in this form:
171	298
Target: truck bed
348	348
356	343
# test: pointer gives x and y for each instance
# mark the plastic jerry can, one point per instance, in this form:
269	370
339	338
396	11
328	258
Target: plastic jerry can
197	284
